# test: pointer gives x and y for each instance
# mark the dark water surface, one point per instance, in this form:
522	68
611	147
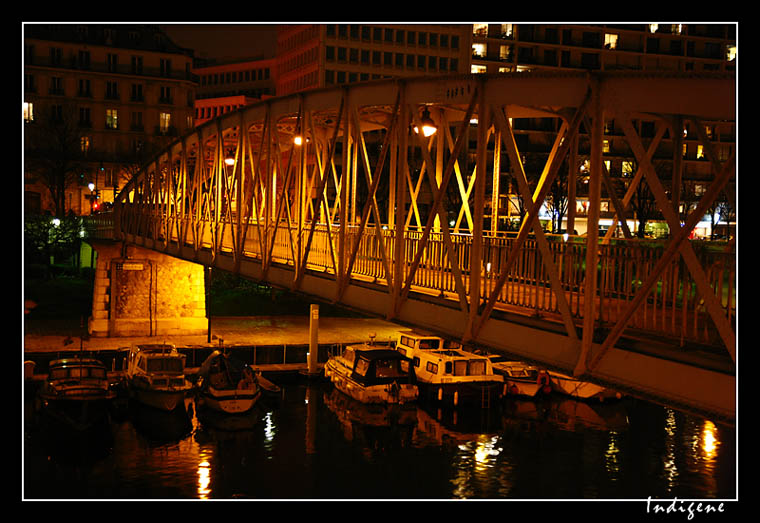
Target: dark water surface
314	443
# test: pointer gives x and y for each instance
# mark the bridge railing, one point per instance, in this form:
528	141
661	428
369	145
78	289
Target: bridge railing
673	307
100	226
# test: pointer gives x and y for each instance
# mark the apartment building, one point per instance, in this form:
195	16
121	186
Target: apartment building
698	48
510	47
311	56
226	87
129	91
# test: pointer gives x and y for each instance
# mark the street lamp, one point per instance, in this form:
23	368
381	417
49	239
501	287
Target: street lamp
428	125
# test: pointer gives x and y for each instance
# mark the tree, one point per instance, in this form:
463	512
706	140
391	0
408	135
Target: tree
556	199
53	151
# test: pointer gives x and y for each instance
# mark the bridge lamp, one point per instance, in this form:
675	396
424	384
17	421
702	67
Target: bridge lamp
428	125
229	161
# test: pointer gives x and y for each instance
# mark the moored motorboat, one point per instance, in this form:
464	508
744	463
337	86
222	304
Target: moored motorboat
226	385
77	392
522	378
156	376
579	389
371	374
447	373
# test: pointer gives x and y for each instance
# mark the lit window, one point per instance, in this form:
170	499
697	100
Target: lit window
700	152
164	121
606	146
28	112
479	50
653	28
475	69
480	29
84	143
610	41
731	53
627	168
506	30
112	119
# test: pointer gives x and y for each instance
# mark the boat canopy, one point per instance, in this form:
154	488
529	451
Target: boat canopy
76	368
377	366
222	370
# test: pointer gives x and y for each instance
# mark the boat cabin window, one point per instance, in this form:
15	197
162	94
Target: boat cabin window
388	369
432	367
349	354
361	367
430	344
477	367
466	367
165	365
402	351
406	340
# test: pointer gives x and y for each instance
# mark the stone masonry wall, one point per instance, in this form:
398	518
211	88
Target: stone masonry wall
140	292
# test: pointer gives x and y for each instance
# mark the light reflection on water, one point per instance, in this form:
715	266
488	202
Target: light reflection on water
316	443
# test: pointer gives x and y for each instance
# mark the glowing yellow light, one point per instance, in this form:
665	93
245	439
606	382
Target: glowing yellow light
709	439
204	478
298	140
229	161
428	125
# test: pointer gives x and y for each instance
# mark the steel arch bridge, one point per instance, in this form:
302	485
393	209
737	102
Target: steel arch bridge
334	193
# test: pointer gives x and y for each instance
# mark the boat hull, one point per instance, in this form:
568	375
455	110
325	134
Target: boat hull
229	401
77	413
479	393
377	394
585	390
161	399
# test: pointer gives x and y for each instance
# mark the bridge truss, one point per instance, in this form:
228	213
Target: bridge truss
335	193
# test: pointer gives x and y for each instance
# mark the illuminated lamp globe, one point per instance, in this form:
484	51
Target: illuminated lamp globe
428	125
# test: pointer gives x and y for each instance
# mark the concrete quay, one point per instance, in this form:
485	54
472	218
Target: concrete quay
237	330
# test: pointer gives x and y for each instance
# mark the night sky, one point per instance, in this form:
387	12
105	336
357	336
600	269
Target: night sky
225	41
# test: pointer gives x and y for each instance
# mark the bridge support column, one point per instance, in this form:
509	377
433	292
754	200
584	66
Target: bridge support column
141	292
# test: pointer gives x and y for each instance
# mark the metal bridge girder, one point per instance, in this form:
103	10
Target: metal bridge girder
306	209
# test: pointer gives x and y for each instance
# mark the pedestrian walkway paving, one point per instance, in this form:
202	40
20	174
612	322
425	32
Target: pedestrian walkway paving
237	330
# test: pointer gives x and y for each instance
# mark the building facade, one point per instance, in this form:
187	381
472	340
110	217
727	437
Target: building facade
503	48
226	87
313	56
123	93
132	90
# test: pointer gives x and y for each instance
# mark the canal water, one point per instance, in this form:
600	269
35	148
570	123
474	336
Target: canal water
312	442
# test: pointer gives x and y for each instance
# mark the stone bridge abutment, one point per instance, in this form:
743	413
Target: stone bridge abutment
142	292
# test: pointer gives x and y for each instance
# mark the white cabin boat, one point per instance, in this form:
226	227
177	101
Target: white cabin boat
522	378
227	385
156	376
448	373
77	392
372	374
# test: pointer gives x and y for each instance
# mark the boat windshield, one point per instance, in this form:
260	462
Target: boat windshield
77	372
165	365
